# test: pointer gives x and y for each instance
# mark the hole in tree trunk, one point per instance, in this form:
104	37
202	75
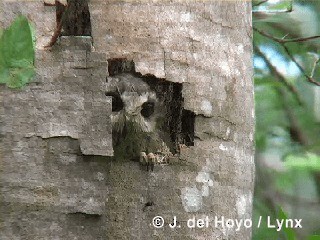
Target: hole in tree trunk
151	114
75	19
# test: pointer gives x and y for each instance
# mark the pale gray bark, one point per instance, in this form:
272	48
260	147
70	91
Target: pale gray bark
53	183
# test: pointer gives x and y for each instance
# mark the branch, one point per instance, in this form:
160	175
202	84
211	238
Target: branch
279	76
55	36
259	3
296	132
314	67
283	42
60	11
309	78
284	197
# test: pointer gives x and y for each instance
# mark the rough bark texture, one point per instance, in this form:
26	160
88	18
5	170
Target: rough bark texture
52	189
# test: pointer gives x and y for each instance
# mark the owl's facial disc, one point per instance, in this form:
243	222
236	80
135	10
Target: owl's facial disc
135	104
132	101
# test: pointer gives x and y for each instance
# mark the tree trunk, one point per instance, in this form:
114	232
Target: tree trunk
61	177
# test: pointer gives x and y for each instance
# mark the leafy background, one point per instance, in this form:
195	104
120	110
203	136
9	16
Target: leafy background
287	99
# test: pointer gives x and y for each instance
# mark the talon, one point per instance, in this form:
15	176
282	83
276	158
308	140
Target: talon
144	160
151	160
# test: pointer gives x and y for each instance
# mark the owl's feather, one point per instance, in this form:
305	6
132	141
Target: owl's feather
135	130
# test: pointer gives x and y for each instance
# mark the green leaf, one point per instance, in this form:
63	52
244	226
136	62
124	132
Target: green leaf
20	77
284	181
314	237
17	42
4	74
309	161
281	6
271	7
33	34
261	209
17	53
291	235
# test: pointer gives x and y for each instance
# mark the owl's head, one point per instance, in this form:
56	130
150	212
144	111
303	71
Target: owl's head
147	114
132	101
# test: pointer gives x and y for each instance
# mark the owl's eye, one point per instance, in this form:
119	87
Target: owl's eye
117	103
147	109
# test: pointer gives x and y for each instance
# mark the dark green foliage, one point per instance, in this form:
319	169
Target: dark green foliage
17	54
314	237
287	231
287	131
265	233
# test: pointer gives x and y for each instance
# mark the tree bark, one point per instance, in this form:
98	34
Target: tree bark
59	178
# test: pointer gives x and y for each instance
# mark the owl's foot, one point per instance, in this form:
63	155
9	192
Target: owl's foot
151	159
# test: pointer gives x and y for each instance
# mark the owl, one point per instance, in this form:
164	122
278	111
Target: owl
138	117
